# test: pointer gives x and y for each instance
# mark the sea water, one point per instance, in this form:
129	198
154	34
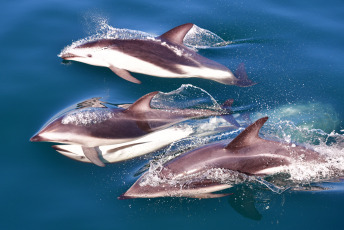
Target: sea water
293	50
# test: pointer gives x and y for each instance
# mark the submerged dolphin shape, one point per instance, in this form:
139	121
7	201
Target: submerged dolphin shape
247	153
163	56
94	129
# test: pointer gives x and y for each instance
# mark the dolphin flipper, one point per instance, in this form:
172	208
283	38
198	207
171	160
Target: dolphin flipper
124	74
243	202
92	154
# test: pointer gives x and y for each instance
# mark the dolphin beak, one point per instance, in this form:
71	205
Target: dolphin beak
68	56
124	197
36	138
40	138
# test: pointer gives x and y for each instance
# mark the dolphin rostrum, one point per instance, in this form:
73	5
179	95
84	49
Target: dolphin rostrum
95	131
163	56
247	154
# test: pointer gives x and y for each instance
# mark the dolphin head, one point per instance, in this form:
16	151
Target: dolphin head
52	132
90	53
74	127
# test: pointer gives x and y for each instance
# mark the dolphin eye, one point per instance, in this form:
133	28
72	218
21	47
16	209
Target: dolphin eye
89	55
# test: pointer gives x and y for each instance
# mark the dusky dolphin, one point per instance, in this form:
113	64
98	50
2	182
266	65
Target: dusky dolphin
94	129
163	56
247	154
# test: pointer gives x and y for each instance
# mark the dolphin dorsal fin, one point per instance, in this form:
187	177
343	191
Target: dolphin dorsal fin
177	34
248	136
143	103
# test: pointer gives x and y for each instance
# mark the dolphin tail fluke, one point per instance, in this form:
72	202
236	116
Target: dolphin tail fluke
227	106
243	80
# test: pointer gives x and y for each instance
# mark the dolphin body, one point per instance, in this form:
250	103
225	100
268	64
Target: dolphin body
94	132
247	153
163	56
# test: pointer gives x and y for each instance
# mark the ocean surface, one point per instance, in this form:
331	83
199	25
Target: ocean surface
292	49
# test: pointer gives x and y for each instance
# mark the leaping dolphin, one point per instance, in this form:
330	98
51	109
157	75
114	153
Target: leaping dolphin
163	56
247	153
95	131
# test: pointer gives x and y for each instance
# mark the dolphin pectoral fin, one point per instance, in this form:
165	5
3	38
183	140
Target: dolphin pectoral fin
243	202
144	125
92	154
124	74
208	195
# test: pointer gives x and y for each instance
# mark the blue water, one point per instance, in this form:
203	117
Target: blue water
293	49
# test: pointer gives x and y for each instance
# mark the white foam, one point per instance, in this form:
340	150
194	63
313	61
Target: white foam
87	116
300	172
186	96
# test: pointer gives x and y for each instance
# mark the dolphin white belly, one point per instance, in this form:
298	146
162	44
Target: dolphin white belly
131	149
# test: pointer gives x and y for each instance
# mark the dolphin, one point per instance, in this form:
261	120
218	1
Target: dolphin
247	154
163	56
94	129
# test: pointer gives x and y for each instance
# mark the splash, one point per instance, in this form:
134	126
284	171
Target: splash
186	96
201	38
306	173
87	116
305	115
217	175
286	125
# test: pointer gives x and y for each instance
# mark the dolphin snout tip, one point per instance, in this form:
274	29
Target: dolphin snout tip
62	56
124	197
39	138
66	56
36	138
